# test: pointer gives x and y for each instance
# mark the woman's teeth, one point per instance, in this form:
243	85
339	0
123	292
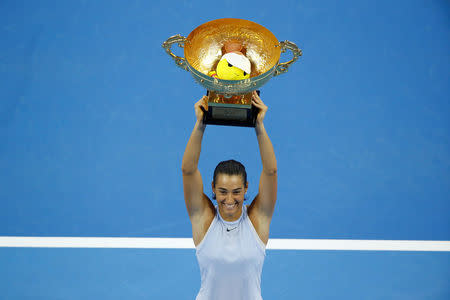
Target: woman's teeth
229	205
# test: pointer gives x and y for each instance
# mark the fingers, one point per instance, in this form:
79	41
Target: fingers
256	100
255	96
203	102
258	105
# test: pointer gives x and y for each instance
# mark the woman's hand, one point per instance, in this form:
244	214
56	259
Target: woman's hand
256	101
202	103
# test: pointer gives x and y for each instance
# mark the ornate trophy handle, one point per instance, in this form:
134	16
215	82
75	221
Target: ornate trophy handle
179	61
296	51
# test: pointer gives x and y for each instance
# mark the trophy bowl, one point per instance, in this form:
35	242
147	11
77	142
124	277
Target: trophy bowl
230	101
203	49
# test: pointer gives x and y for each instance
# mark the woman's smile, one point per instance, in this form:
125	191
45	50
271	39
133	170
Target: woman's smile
230	206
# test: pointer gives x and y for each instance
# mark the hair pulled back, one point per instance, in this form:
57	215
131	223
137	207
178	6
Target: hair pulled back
230	167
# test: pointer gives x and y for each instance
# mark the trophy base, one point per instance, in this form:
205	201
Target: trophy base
236	110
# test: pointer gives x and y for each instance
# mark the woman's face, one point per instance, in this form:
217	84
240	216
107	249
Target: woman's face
230	193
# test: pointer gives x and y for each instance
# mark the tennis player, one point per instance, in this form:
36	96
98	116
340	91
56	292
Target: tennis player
230	238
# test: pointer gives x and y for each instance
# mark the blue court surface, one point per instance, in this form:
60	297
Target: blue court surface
95	117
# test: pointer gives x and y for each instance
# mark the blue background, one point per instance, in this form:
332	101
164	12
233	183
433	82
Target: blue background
94	119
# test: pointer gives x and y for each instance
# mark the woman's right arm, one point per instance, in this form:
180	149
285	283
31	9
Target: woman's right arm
197	203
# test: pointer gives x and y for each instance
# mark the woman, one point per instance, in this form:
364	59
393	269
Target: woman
230	238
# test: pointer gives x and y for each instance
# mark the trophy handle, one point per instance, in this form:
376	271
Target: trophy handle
296	52
179	61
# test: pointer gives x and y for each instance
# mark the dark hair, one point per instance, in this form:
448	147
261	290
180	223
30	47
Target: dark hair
230	167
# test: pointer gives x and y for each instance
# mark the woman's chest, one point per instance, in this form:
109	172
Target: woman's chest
230	245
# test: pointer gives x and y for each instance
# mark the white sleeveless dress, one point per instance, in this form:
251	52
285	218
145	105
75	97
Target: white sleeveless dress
231	257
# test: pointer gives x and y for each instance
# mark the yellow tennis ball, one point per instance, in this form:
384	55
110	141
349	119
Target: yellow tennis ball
227	71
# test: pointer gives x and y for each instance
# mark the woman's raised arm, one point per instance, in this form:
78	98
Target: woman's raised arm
263	205
196	200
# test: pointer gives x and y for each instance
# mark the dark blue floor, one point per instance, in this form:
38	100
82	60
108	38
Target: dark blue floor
173	274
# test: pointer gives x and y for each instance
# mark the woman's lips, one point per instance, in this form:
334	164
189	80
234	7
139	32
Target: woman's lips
229	206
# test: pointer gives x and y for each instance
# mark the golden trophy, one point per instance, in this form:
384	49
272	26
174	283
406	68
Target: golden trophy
229	101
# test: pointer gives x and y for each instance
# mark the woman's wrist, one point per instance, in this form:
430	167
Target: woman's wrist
199	125
259	127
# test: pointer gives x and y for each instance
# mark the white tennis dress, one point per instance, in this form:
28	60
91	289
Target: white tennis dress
231	257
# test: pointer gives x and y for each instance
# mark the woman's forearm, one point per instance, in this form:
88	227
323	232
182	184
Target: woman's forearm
266	150
193	149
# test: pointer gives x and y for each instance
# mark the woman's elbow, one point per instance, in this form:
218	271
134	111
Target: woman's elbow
271	171
187	170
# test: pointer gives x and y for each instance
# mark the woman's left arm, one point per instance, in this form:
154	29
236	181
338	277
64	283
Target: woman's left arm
264	202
